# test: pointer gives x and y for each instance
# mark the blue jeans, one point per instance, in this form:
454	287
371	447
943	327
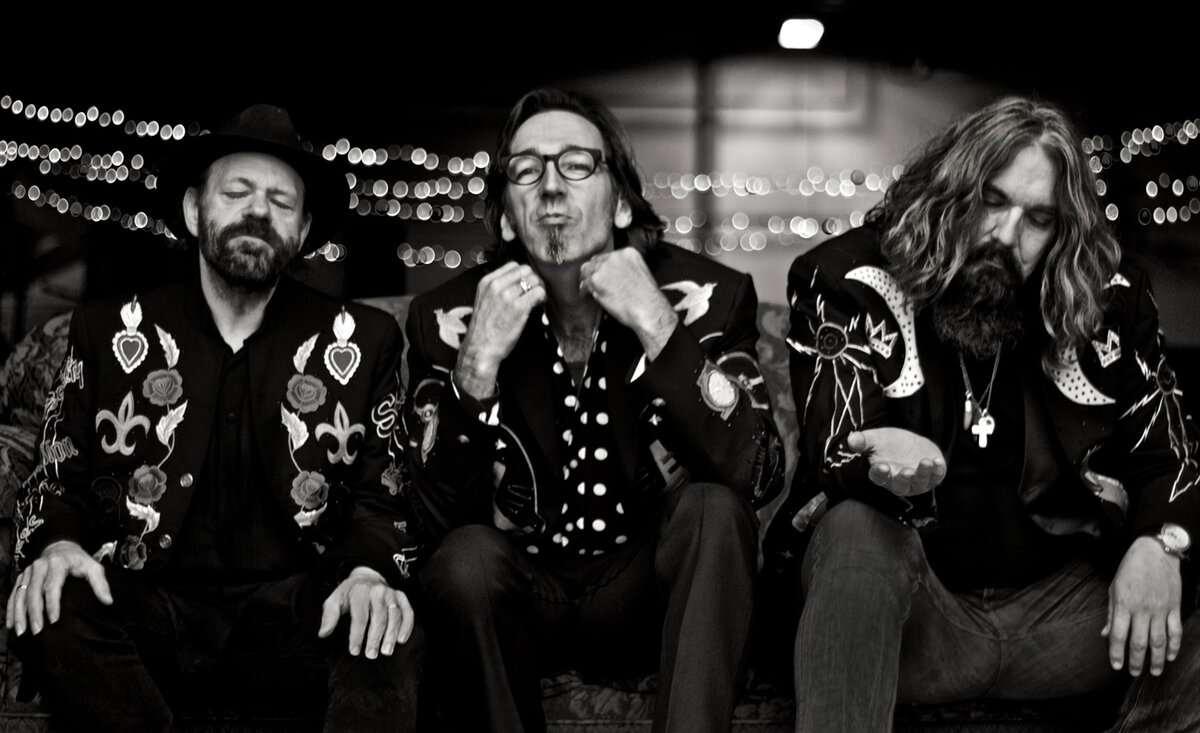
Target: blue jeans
878	626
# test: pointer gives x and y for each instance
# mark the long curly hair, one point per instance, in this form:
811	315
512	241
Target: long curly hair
930	217
646	228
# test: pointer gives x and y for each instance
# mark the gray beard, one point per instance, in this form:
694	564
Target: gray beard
258	276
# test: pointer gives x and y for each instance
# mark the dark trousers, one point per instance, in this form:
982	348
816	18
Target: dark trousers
878	626
130	666
500	617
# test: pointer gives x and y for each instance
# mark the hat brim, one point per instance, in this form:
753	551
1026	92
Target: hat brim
326	194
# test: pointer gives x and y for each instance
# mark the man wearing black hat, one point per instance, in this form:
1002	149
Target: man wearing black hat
218	498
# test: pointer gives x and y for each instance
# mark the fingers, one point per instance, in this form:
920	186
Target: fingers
1139	639
379	610
622	284
380	616
52	592
35	580
1174	634
931	472
1158	644
99	581
17	612
907	481
514	283
407	618
331	611
1118	634
395	617
10	608
880	474
399	622
1165	638
856	441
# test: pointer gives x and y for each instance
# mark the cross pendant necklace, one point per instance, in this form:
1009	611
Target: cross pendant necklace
975	412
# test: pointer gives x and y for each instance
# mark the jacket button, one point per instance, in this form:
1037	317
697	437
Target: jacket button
185	480
164	541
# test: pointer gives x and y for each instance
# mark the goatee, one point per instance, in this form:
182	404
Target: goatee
555	246
979	313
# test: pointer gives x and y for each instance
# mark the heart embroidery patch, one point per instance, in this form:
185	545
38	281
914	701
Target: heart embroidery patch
130	350
342	361
130	346
342	357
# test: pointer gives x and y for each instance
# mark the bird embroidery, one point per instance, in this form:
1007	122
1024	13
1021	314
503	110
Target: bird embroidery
451	324
694	303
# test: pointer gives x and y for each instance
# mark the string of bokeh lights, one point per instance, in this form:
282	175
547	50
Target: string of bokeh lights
453	190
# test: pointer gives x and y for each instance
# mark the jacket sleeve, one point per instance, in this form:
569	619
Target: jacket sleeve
58	501
1155	441
834	375
717	410
379	532
450	436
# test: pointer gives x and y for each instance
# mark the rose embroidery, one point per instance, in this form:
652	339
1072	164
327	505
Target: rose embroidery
147	484
163	387
305	393
309	490
133	553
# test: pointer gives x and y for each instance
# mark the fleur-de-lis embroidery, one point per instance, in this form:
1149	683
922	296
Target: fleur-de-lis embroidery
123	423
341	429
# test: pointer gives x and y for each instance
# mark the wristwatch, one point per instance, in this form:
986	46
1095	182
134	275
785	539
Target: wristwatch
1174	539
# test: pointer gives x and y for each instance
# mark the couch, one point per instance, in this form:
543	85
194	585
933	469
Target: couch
572	703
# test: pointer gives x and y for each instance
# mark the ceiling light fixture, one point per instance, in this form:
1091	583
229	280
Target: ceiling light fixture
801	33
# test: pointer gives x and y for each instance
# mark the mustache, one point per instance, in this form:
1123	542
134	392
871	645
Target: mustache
993	254
252	226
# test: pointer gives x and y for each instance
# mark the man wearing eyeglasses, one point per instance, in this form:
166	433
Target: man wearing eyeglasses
589	439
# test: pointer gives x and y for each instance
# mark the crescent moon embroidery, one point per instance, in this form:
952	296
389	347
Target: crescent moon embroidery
1071	381
911	378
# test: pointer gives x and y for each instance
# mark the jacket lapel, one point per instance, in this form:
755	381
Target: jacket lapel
526	372
623	399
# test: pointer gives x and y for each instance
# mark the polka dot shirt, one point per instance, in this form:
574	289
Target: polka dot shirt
592	520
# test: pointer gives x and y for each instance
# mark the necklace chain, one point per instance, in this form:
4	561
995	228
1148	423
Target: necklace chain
986	399
976	415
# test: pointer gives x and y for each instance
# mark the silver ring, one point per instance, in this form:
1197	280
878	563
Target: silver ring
393	605
22	586
524	285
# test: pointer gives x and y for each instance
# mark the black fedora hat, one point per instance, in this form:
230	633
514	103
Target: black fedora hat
262	128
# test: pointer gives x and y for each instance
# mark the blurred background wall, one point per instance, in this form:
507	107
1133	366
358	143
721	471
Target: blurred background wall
750	152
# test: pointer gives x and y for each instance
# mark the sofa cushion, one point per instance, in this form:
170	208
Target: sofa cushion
29	371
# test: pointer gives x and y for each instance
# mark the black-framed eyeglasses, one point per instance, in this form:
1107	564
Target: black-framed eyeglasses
573	164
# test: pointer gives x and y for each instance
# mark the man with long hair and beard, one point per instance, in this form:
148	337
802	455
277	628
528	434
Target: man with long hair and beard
589	438
216	523
997	487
